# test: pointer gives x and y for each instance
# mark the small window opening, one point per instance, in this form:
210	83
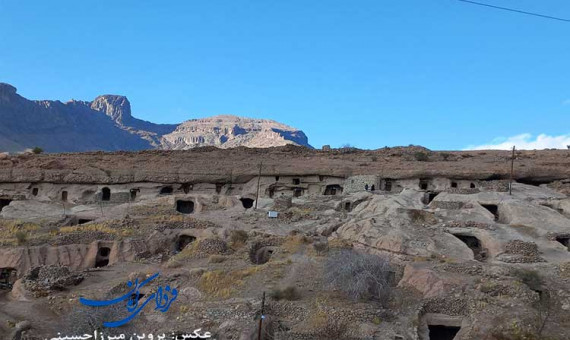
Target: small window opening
276	178
35	191
347	206
472	185
186	187
134	194
219	187
166	190
454	184
64	196
296	181
423	184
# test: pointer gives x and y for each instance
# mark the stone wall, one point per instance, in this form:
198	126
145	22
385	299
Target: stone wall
357	183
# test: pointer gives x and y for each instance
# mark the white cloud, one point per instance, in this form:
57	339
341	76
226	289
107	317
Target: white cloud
525	141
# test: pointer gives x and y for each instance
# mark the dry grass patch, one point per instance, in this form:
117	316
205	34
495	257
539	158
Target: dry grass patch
294	243
222	284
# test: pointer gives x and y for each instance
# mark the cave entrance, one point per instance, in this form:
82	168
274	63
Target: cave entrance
185	207
493	209
64	196
424	184
472	185
105	194
7	277
102	259
347	206
564	240
439	332
475	245
263	255
183	241
166	190
430	196
333	190
4	203
454	184
83	221
247	202
35	191
296	181
271	192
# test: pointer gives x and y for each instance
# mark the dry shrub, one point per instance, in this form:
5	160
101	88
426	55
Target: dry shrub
294	243
222	284
216	259
359	275
321	247
326	326
422	217
238	238
339	243
21	237
289	293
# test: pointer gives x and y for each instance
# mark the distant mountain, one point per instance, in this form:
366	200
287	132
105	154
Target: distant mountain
106	124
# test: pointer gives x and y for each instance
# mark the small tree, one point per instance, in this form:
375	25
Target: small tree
421	156
37	150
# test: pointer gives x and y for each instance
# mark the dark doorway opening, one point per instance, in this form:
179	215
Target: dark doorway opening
219	187
83	221
532	181
186	187
564	240
247	202
493	209
333	190
271	192
321	178
430	196
298	192
185	207
437	332
166	190
276	178
183	241
472	185
424	184
454	184
35	191
475	245
4	203
134	194
388	184
102	259
7	277
347	206
64	196
296	181
105	194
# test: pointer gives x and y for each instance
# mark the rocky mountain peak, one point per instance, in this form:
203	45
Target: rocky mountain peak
7	89
116	107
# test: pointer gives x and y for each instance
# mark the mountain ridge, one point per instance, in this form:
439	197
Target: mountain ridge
107	124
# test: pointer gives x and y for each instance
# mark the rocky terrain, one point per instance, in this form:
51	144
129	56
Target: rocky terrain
107	124
439	250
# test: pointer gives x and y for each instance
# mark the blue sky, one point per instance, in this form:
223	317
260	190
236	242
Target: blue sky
438	73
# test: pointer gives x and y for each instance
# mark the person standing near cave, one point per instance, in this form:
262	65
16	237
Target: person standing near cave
366	187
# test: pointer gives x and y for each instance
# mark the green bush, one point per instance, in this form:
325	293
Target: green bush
37	150
21	237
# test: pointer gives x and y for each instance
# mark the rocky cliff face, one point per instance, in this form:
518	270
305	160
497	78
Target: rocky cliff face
107	124
231	131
